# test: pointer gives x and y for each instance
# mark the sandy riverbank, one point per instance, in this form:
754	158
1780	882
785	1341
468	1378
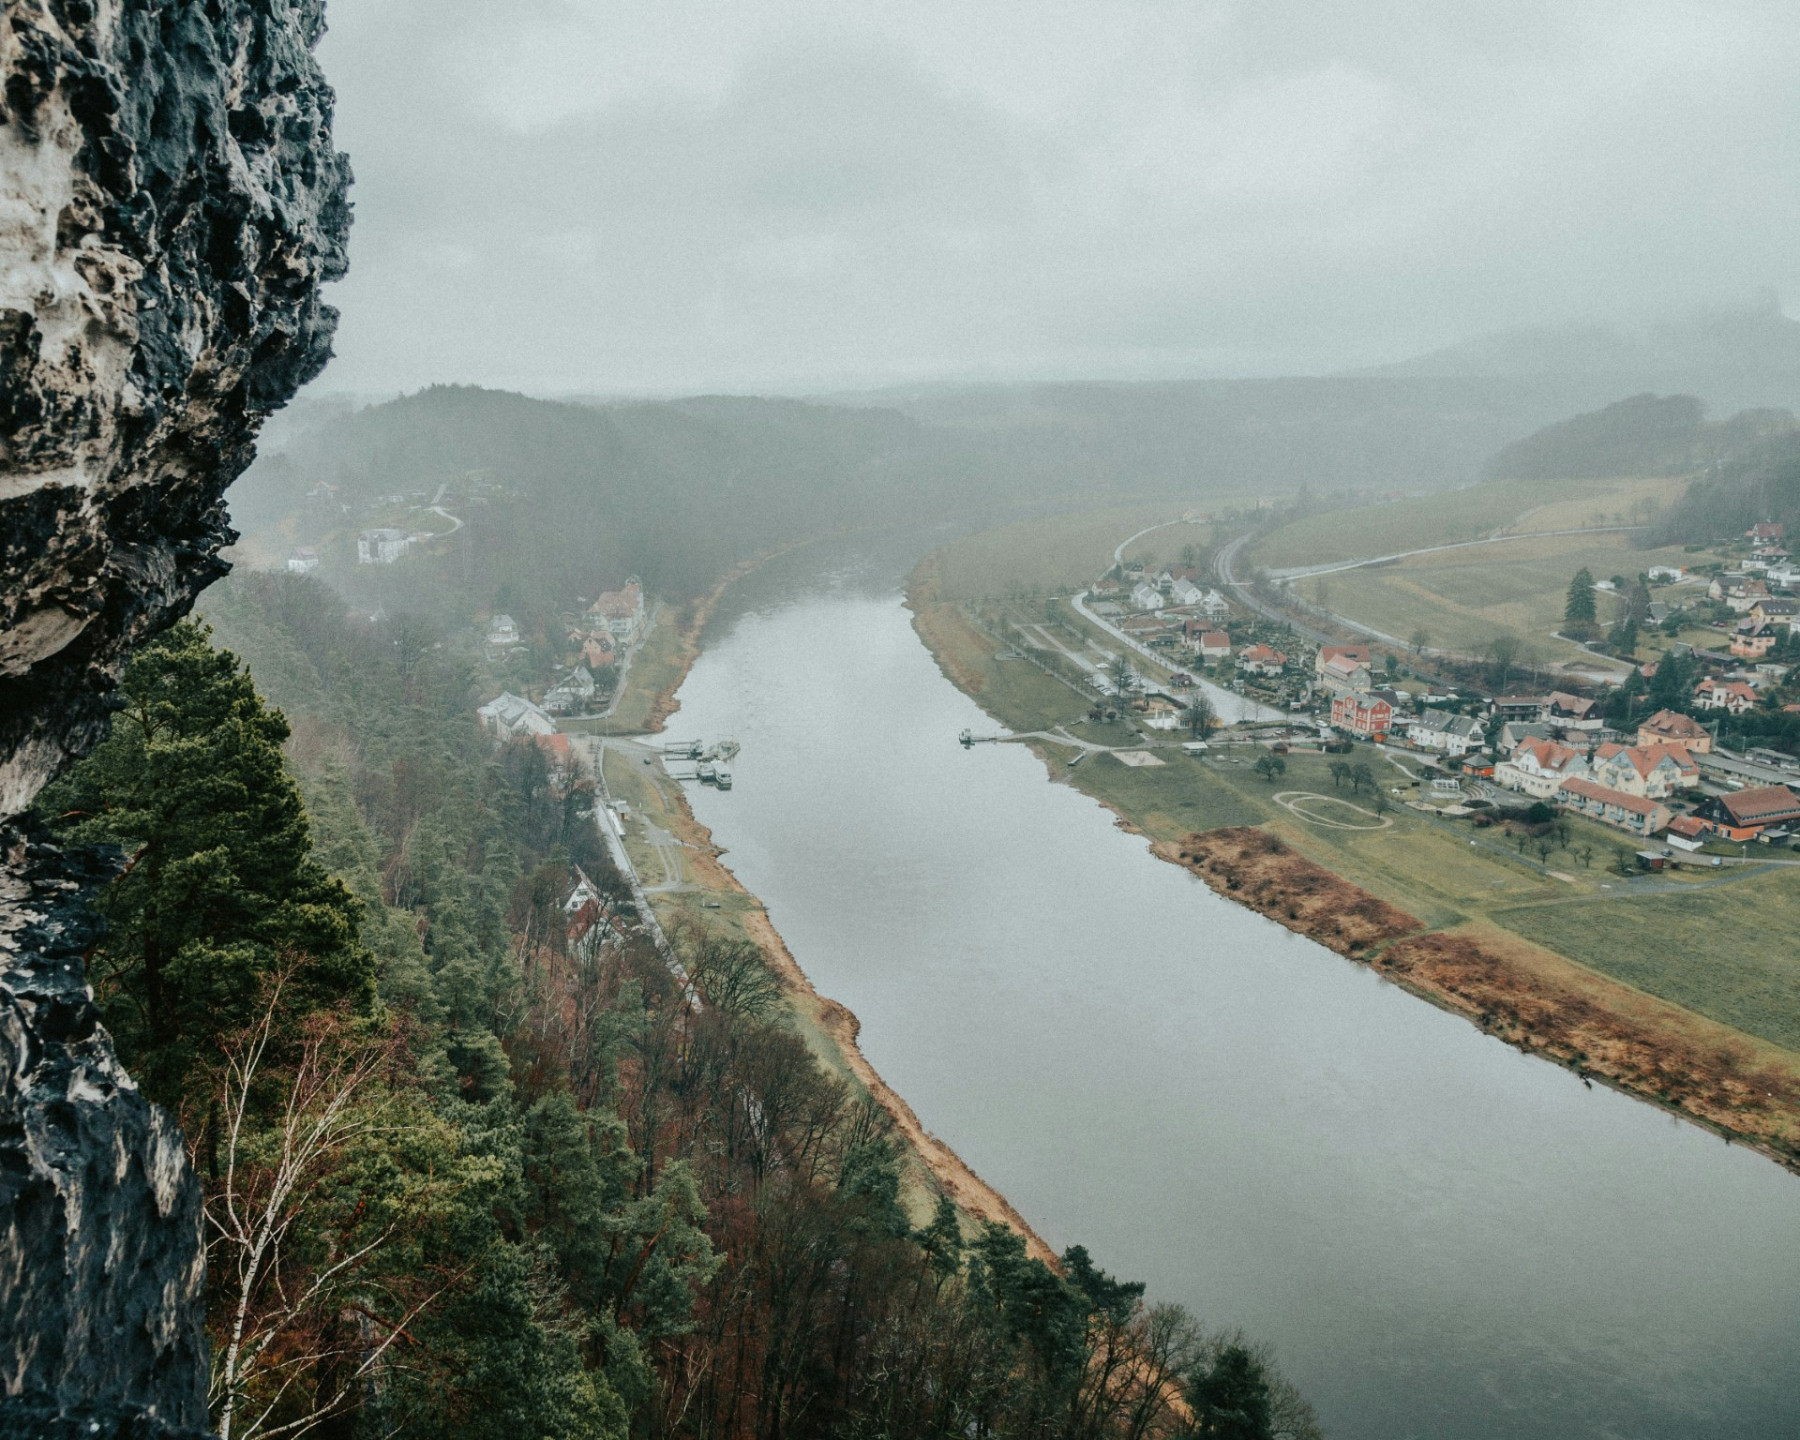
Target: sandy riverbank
949	1172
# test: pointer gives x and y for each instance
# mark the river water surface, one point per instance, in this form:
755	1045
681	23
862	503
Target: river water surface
1443	1238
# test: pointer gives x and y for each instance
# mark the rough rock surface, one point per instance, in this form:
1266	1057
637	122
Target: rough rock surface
170	203
100	1264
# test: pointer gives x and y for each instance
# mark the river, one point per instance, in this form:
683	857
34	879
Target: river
1443	1238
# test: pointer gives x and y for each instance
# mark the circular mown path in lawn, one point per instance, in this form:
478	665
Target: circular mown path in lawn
1318	810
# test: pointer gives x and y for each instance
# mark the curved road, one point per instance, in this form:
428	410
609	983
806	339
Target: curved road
1335	566
1225	561
1231	709
1119	549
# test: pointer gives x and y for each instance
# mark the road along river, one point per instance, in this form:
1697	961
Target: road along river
1443	1238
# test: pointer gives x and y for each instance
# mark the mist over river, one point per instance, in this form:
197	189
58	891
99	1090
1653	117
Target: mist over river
1442	1237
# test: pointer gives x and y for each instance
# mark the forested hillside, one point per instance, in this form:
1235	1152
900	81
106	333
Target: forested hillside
478	1164
557	498
1761	484
1647	435
555	495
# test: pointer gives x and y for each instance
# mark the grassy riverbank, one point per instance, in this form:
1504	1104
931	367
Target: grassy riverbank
1664	986
710	898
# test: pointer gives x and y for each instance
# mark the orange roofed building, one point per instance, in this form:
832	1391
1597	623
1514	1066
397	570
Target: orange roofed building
1262	660
1342	669
1670	727
1634	813
1367	715
1745	814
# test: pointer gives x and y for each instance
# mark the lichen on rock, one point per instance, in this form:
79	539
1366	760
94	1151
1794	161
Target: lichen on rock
170	205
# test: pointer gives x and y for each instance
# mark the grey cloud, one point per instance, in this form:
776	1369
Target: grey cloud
796	196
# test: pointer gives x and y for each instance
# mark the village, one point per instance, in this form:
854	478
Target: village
1166	651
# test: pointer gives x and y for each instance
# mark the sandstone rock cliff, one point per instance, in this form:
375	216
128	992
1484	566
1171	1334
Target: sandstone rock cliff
170	203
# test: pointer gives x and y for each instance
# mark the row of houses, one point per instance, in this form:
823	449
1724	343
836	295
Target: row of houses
1632	787
1178	587
1648	772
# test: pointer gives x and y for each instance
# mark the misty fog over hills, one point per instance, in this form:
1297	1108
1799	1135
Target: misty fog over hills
688	485
681	489
1733	358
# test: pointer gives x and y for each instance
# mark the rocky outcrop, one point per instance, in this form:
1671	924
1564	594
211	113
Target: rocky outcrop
170	203
100	1264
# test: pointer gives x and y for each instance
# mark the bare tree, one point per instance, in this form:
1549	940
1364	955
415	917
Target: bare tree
1201	718
1503	650
1123	677
278	1309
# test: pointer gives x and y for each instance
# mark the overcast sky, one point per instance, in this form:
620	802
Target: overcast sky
657	195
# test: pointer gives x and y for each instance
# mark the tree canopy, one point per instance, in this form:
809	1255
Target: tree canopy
220	886
1579	609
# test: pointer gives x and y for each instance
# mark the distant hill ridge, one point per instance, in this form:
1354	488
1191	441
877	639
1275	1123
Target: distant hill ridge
1734	357
1644	435
679	491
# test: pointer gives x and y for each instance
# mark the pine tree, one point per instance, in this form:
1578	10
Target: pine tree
1579	610
1230	1399
219	887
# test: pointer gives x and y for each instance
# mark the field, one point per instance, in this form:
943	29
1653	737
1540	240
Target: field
1056	553
1727	952
1521	506
1462	599
1644	932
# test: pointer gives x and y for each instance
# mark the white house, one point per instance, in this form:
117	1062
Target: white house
1666	574
1216	606
1730	695
1262	660
1738	591
380	547
1442	731
510	716
1539	767
571	694
1185	592
502	632
1145	596
304	560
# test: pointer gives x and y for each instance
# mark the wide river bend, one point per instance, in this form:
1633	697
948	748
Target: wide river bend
1443	1238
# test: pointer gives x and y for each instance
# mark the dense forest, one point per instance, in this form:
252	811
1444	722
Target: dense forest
1761	484
479	1162
1644	435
